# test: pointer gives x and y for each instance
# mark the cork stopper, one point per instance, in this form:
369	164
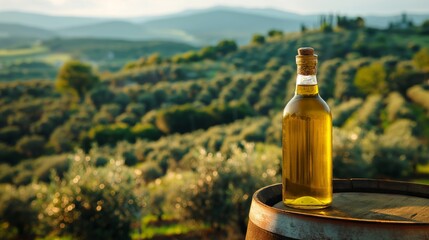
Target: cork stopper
306	61
305	51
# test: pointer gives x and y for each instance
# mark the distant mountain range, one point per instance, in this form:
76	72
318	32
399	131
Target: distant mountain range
12	30
198	27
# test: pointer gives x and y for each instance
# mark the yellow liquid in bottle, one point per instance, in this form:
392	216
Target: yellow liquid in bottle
307	150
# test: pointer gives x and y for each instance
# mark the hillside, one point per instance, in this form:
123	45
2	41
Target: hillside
22	31
210	26
384	21
254	80
88	47
166	137
197	27
50	22
24	60
111	29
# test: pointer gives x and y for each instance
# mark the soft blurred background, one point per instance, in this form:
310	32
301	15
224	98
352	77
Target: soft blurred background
148	119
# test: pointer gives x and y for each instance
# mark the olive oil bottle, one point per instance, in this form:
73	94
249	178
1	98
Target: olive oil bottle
307	141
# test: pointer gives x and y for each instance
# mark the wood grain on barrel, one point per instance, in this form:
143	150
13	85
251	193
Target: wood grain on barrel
373	206
362	209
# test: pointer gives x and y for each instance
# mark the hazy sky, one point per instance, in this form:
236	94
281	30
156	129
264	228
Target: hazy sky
129	8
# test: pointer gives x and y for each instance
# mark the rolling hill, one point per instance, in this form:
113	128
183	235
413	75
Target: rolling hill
23	61
383	21
108	49
11	30
111	29
211	26
50	22
194	26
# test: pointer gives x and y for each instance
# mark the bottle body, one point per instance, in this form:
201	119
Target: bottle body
307	148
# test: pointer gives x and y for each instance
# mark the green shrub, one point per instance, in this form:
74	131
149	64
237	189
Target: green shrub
113	109
344	79
419	95
150	171
150	117
101	161
19	119
326	77
129	158
226	113
255	132
43	166
182	119
18	213
128	118
102	118
43	127
421	59
100	95
110	134
163	194
347	155
396	153
343	111
61	140
146	131
208	52
76	77
9	155
371	79
275	33
367	116
403	79
7	173
396	107
31	146
258	39
122	99
222	191
137	109
274	130
226	46
10	134
91	202
273	95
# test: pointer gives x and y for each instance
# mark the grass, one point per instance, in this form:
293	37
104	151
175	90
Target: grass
168	226
55	57
422	181
36	53
423	169
167	230
411	38
151	227
55	238
22	52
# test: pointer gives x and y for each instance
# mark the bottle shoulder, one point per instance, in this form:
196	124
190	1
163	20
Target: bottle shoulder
304	104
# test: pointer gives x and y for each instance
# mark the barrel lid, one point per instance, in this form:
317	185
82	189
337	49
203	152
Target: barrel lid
361	209
363	200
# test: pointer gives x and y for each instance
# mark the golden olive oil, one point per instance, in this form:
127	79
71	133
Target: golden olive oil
307	146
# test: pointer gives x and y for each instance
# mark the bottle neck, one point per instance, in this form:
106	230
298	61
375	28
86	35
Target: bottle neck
306	85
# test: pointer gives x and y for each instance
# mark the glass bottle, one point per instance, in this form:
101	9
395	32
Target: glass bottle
307	141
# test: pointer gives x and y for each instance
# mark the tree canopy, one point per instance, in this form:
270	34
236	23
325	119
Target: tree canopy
371	79
76	77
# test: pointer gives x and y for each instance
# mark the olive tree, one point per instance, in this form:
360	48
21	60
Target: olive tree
77	78
91	202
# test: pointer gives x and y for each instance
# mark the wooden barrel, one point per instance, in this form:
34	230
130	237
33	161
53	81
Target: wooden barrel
361	209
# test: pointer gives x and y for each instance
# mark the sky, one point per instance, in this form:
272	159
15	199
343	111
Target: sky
134	8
